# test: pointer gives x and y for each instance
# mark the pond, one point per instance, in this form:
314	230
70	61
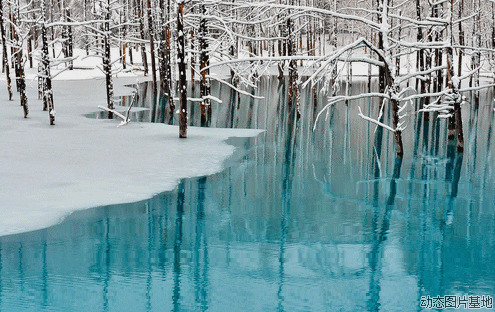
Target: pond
300	220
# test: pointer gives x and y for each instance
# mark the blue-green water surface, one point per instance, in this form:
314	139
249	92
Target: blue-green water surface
300	220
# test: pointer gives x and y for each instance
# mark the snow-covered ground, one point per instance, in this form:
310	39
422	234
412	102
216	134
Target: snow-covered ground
47	172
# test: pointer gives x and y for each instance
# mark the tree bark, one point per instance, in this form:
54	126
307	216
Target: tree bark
181	49
141	31
152	46
107	67
19	64
47	80
204	71
4	54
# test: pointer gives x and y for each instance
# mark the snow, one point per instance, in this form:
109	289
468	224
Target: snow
47	172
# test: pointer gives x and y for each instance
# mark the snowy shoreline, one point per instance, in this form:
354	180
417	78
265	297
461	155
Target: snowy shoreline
48	172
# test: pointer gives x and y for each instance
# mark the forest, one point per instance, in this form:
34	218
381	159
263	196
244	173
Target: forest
430	57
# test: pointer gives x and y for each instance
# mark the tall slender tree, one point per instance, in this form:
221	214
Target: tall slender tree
107	65
19	62
45	61
204	63
151	30
5	61
181	58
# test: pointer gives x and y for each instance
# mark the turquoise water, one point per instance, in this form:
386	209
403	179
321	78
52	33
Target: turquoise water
298	221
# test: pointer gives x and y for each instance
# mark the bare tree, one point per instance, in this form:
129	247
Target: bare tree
5	61
181	58
45	61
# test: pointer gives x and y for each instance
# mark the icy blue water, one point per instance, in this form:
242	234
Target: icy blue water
298	221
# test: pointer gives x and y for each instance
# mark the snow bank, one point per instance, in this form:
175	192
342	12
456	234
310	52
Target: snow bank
47	172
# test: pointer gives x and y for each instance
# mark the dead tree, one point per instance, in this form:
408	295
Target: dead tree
181	56
152	44
476	57
144	58
5	61
453	98
70	40
204	63
461	38
293	76
46	75
19	63
107	66
164	47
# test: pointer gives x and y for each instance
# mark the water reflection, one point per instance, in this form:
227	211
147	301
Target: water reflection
302	220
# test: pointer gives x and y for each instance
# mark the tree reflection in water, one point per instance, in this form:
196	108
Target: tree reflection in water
300	220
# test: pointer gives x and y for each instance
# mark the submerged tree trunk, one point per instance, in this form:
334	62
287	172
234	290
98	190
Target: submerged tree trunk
293	76
455	121
388	76
181	49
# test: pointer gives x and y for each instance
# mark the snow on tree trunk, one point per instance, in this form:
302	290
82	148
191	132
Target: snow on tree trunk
4	53
107	67
152	45
162	48
476	58
461	39
19	65
454	97
204	71
233	49
70	41
181	55
381	70
124	35
192	53
45	66
389	83
438	76
169	90
139	7
293	76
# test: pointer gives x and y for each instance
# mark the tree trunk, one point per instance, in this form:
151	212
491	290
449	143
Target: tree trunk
476	59
107	67
293	92
456	120
141	31
181	49
70	41
204	71
461	38
19	64
4	54
47	80
152	46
